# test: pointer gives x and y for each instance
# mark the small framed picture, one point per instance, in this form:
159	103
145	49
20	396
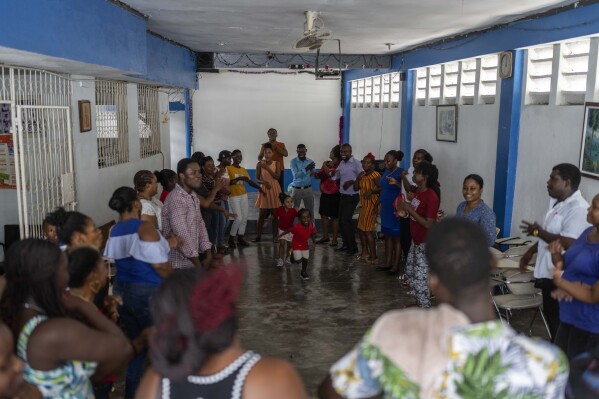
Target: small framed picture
447	123
589	149
85	116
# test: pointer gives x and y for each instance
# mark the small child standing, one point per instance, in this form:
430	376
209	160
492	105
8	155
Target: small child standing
302	231
286	215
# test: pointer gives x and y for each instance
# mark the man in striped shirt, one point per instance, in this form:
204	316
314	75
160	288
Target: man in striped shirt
181	217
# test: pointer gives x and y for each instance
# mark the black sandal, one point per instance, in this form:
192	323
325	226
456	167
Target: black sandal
323	240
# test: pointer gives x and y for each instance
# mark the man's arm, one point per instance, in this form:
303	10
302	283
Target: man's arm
297	171
281	150
181	222
261	154
530	228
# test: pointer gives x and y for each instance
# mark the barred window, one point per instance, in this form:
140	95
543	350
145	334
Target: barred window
111	123
148	116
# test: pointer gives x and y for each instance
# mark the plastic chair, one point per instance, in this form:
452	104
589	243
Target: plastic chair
523	295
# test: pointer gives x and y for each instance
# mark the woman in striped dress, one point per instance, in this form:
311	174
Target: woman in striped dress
367	182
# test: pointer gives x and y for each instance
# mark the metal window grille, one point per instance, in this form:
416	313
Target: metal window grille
40	126
111	123
148	116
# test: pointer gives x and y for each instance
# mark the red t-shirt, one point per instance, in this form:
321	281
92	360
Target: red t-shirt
163	195
301	235
426	204
286	218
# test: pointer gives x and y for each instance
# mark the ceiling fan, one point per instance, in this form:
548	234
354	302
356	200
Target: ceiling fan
313	38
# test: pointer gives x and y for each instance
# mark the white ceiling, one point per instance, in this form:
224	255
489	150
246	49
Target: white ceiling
364	26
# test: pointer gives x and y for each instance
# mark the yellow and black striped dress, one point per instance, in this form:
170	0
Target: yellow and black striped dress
370	206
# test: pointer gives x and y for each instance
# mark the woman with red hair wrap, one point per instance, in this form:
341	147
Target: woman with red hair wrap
196	351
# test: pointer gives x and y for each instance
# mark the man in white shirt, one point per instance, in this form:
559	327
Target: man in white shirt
565	220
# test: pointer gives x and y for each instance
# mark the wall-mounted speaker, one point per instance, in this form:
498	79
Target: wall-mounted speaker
204	61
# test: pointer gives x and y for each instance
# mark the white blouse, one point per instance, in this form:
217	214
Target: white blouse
152	208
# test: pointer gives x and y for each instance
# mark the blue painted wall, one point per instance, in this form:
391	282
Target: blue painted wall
570	23
169	63
95	32
92	31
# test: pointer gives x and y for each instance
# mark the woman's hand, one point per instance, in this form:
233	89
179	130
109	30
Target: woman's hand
556	249
404	206
360	175
262	191
173	242
111	304
267	185
561	295
404	173
230	215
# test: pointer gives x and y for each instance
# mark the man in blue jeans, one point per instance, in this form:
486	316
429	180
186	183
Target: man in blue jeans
348	170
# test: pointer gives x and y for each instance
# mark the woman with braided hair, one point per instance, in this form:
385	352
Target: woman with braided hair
196	351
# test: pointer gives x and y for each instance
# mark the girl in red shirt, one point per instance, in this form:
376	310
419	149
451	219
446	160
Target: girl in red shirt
286	215
302	231
423	214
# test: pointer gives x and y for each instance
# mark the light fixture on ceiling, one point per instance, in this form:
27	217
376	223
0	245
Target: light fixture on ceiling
222	44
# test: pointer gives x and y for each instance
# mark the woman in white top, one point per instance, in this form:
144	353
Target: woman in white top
146	185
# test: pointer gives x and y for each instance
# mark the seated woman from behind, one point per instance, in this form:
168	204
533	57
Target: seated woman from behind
196	325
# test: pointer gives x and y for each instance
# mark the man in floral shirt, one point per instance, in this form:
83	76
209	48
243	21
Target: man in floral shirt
457	350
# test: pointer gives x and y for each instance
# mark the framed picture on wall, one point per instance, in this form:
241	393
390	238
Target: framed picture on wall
85	116
447	123
589	151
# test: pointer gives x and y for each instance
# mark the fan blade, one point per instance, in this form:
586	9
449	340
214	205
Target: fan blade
307	41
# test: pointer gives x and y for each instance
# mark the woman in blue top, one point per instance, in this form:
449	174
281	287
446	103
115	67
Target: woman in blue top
140	254
390	188
475	209
576	275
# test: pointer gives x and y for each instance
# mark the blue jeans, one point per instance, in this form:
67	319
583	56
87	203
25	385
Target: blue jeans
135	317
221	226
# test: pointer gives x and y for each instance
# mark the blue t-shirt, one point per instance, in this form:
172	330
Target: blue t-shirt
581	264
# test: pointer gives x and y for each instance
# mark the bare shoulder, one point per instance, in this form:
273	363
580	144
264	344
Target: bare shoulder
273	378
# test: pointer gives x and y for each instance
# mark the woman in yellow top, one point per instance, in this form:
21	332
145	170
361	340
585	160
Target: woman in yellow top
238	199
367	182
267	173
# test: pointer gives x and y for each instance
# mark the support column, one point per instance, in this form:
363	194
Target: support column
510	106
188	128
346	109
407	103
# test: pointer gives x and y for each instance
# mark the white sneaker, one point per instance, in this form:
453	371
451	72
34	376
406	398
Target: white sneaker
280	263
287	261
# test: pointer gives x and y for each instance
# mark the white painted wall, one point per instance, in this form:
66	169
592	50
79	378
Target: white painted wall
177	133
375	130
94	186
233	110
474	152
549	135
